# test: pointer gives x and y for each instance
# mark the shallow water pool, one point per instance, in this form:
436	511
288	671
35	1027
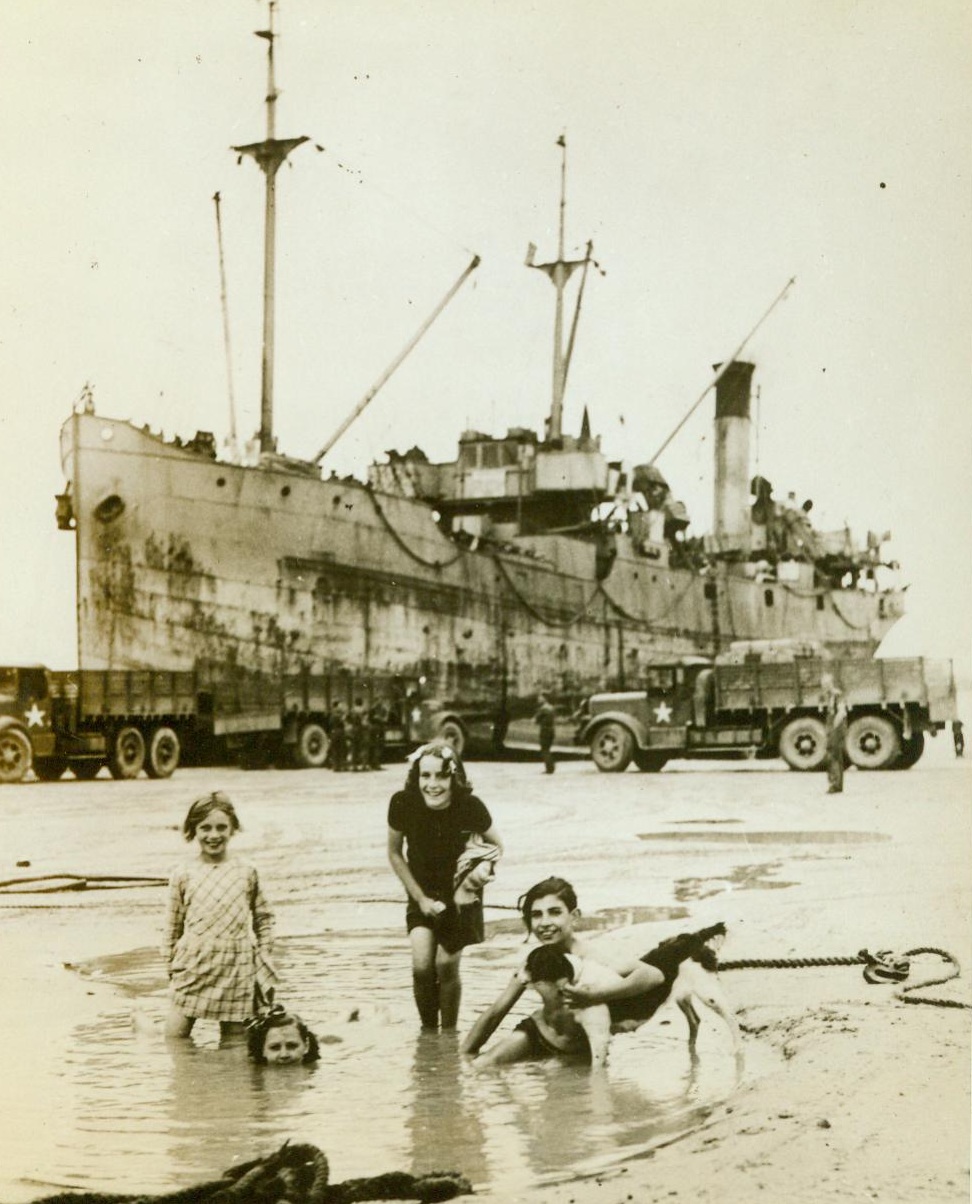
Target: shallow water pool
139	1113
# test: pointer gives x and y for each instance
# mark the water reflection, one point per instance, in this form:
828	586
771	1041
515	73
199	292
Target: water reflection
443	1119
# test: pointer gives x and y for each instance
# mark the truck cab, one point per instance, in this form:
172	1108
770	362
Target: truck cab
26	719
653	723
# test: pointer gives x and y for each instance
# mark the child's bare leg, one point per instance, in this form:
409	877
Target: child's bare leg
514	1048
450	986
176	1024
425	982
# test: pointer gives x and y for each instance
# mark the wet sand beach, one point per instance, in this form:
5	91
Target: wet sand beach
848	1093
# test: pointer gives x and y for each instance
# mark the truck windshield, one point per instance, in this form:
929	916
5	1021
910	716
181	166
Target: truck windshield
8	685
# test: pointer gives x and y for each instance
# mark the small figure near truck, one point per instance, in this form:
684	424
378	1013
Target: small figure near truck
769	699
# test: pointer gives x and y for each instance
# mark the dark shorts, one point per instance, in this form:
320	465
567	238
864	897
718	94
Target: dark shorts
454	929
540	1047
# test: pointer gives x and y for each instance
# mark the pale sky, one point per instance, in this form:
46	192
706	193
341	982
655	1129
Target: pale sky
715	150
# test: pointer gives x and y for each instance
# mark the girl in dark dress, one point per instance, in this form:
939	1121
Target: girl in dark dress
430	823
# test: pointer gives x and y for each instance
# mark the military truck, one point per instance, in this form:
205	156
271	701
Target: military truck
150	719
749	705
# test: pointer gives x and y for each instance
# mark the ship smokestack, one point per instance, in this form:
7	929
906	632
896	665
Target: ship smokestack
731	521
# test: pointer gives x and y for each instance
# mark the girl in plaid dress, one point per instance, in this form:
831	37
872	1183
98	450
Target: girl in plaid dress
218	927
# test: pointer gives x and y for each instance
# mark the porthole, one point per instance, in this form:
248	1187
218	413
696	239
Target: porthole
109	508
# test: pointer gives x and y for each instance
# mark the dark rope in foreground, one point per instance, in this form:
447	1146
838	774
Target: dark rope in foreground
295	1174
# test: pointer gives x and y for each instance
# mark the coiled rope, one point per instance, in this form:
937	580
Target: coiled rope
880	967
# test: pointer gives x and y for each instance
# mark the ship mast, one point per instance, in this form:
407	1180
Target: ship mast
269	155
559	272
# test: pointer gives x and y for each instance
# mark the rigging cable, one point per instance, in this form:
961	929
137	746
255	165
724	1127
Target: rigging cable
429	564
234	447
531	609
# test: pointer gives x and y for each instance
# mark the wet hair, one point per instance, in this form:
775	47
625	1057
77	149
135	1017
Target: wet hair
449	758
546	964
559	887
278	1017
216	801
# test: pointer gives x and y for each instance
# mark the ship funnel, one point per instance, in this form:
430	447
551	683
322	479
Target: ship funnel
731	524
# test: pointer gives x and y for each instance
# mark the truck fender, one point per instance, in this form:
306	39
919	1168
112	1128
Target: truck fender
10	721
634	727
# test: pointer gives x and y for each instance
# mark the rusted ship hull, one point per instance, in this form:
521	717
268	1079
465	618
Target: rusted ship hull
183	559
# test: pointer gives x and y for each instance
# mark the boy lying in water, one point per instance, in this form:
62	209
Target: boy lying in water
631	991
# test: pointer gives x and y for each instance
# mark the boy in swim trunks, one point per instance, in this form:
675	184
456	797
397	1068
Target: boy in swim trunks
550	913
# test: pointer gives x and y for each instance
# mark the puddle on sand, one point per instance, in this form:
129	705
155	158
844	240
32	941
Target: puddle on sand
114	1107
703	821
770	837
741	877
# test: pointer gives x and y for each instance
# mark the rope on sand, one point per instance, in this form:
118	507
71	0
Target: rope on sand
66	882
879	967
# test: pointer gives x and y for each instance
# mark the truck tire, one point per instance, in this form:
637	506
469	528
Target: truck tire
911	751
127	754
164	751
803	743
649	761
15	755
49	769
451	732
612	747
86	771
310	751
873	742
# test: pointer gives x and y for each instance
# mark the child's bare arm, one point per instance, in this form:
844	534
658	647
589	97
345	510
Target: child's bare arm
175	918
618	979
396	858
262	917
487	1022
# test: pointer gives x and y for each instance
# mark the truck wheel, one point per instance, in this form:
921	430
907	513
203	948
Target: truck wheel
127	754
86	771
310	751
911	751
15	755
873	742
649	762
163	753
49	769
803	743
612	747
451	732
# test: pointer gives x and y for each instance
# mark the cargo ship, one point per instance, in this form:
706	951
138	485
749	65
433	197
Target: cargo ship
531	563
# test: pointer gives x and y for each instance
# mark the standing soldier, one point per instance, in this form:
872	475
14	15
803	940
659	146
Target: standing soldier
359	732
544	719
958	738
836	739
378	721
338	752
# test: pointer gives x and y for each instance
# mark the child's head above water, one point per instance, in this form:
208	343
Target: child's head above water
204	806
281	1038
